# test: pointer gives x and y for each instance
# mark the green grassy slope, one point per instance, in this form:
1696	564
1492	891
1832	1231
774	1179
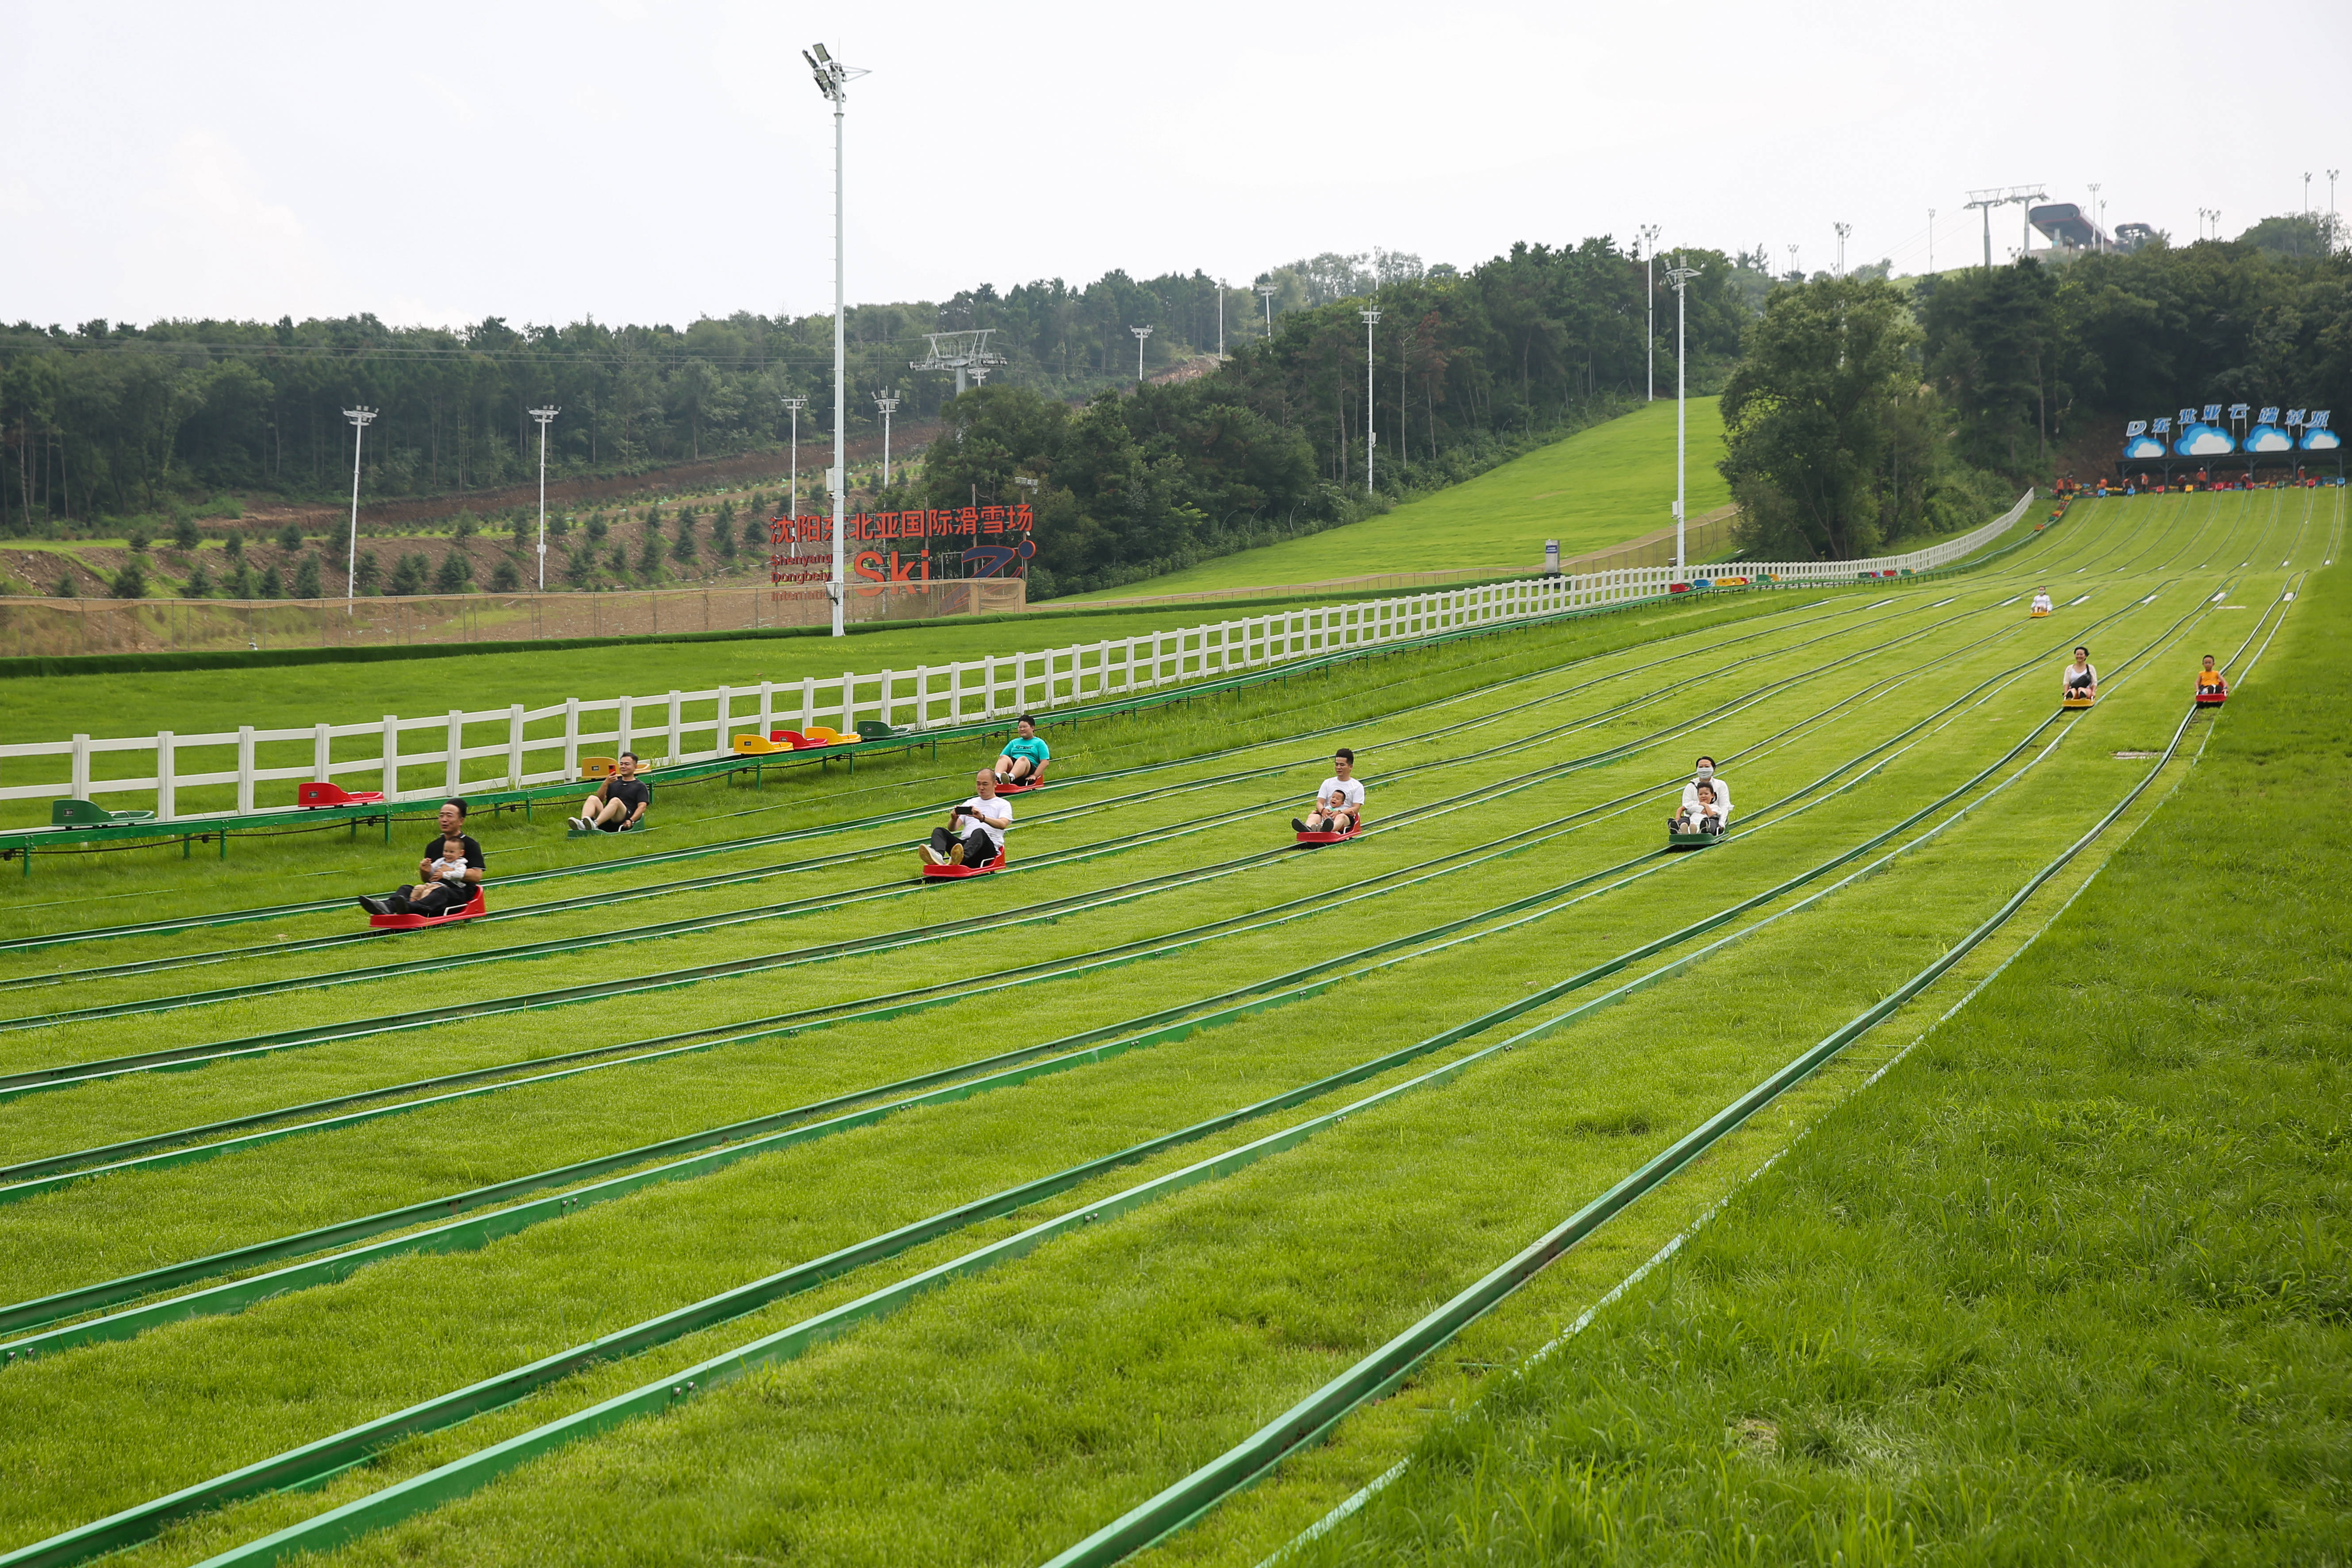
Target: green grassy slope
1598	487
2069	1285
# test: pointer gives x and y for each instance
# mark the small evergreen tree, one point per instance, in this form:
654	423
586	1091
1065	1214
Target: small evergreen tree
505	579
200	583
138	537
456	573
236	548
579	567
650	555
241	582
289	538
408	576
130	583
65	588
619	561
307	584
467	526
684	549
365	577
185	534
273	586
598	528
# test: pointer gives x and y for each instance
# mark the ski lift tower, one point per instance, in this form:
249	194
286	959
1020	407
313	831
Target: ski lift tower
963	352
1985	200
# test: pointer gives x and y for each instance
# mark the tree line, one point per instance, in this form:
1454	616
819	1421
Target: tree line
1864	412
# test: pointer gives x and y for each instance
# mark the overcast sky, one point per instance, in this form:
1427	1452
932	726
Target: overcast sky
437	163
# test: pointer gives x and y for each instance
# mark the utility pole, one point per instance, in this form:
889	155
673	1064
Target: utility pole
2097	236
1680	277
2306	192
360	418
1649	233
1931	242
544	416
793	503
1140	334
2331	207
1266	292
1843	229
832	79
1220	321
888	402
1371	441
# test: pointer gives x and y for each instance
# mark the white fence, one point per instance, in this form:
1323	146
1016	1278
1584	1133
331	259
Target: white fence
517	746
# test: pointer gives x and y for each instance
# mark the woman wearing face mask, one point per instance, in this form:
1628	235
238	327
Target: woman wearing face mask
1704	774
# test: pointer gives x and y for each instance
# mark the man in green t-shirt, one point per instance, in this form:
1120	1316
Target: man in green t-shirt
1025	756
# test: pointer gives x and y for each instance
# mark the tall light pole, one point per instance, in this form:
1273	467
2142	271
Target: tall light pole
544	416
360	418
2331	206
2306	192
833	80
888	402
1220	321
1843	229
1140	334
1649	233
2096	206
1796	272
1931	242
1266	292
1371	441
793	407
1680	277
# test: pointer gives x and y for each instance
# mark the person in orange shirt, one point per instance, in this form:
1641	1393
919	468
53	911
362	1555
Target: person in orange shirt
2209	682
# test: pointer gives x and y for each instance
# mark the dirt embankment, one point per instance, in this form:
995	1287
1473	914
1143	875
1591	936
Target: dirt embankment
572	494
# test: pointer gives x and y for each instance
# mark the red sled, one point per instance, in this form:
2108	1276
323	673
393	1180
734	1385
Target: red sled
413	922
1023	788
2211	699
946	871
309	795
1330	838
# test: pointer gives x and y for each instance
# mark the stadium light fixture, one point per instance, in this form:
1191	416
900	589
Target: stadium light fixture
1795	272
1680	277
1649	233
2097	206
1931	242
1371	441
793	406
1843	229
832	79
545	416
1220	321
1266	292
887	402
360	418
1140	334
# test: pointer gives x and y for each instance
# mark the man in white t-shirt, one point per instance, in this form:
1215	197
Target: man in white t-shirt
975	831
1339	803
1703	773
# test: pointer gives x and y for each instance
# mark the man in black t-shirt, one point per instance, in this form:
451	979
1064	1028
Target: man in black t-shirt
619	802
448	876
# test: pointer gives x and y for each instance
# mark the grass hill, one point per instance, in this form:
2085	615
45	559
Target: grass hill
1600	486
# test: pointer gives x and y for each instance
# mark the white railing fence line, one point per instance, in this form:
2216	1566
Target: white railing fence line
545	745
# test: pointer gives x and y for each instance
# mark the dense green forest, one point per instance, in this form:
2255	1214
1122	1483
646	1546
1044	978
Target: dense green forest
109	420
1861	415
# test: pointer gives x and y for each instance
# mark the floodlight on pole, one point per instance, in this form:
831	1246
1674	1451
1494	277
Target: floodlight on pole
832	79
1371	441
793	406
1795	272
545	416
1649	243
1140	334
1266	292
1843	229
2306	192
2096	207
1680	277
360	418
887	402
1220	321
1931	242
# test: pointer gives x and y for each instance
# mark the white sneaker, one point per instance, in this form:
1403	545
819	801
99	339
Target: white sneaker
577	824
933	856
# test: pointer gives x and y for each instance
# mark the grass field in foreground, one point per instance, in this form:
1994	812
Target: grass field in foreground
2069	1285
1598	487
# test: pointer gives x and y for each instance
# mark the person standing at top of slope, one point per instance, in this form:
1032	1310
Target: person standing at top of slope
975	832
1339	803
1703	773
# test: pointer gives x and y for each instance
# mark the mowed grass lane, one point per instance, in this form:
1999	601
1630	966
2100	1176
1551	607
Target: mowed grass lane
1598	487
258	1318
2067	1283
1002	1418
